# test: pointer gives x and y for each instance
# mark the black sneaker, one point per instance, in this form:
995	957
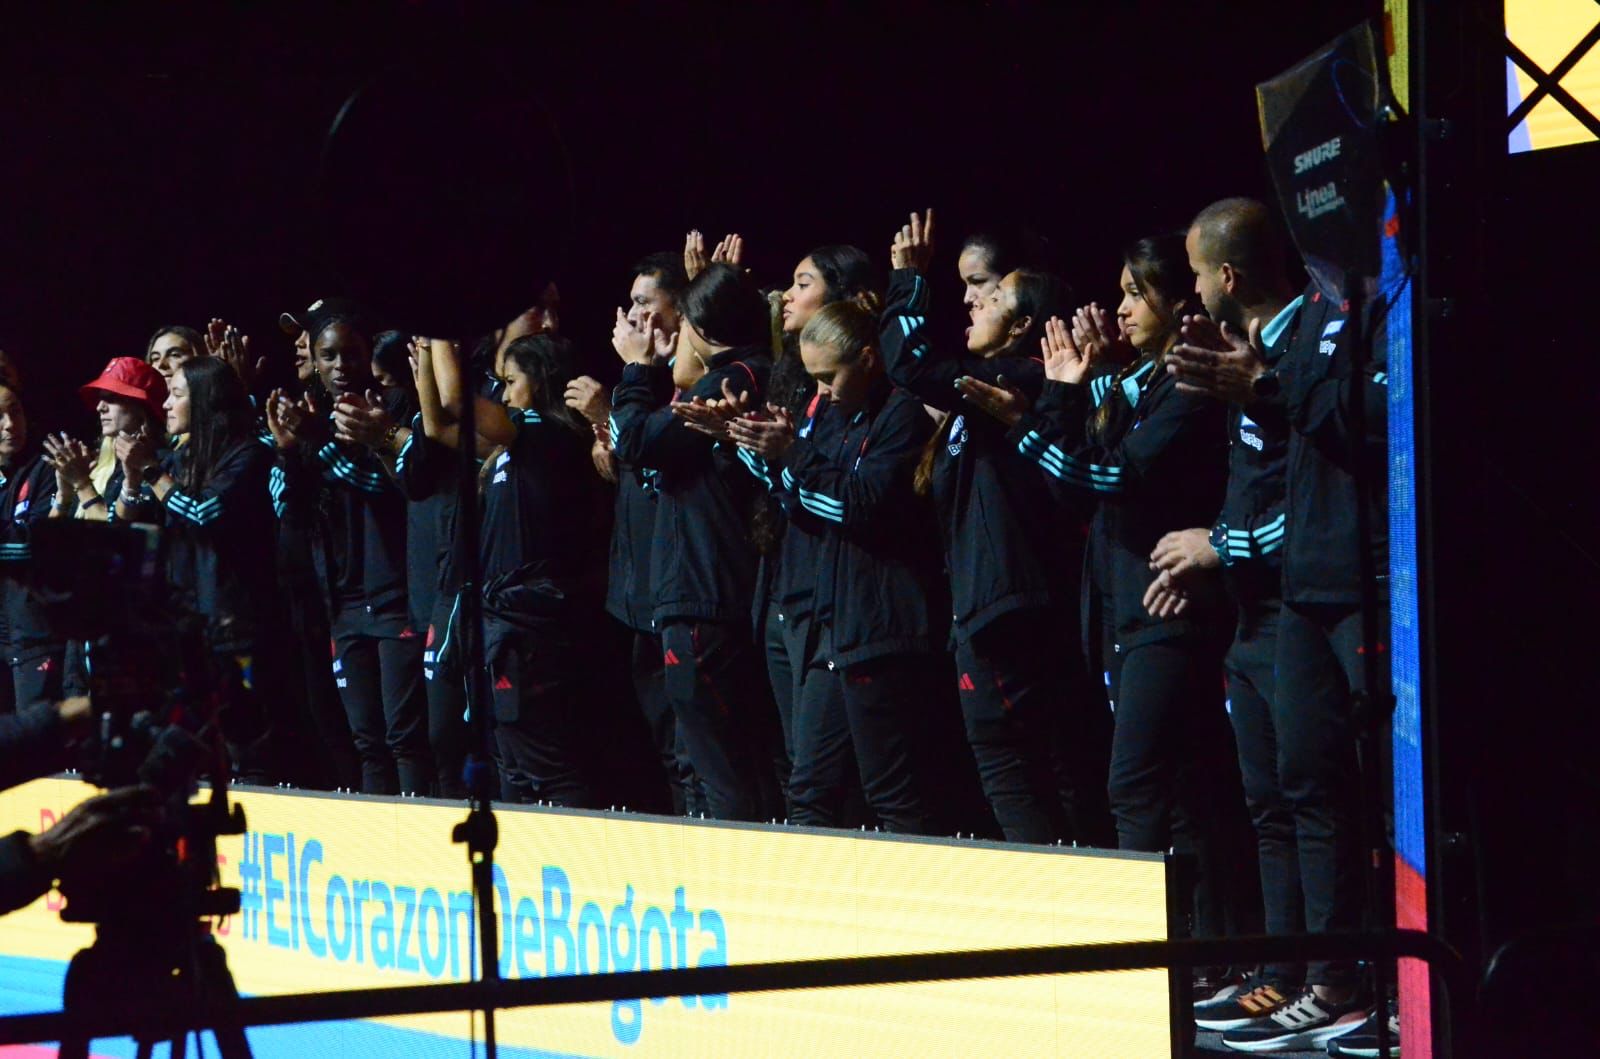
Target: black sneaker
1362	1041
1217	983
1305	1022
1256	999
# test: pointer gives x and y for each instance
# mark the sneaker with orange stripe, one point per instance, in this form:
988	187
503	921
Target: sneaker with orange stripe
1256	999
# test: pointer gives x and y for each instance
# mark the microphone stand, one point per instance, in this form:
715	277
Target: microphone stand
479	831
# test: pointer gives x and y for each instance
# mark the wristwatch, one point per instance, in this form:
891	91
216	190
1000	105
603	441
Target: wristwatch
1219	542
1266	385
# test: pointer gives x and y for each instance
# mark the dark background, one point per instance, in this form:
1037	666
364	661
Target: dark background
164	165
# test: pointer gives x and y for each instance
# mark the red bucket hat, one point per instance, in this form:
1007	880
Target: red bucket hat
132	378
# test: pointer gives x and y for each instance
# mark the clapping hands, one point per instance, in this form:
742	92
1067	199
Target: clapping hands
728	252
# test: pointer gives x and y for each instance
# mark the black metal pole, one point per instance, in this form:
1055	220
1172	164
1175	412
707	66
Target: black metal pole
762	977
479	831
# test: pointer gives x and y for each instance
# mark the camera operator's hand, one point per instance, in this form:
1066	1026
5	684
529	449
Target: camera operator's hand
98	833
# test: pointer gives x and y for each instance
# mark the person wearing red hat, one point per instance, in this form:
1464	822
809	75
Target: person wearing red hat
128	396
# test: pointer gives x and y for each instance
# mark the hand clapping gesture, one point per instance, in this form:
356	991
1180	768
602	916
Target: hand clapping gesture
1218	361
71	459
642	344
136	454
1064	360
224	342
292	422
712	417
728	252
913	243
1096	332
999	399
360	420
768	438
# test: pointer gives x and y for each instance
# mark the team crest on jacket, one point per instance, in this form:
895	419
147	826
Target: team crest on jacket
1329	341
1250	433
958	435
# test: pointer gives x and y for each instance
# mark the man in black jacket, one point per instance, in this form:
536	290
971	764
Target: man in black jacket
1312	392
703	565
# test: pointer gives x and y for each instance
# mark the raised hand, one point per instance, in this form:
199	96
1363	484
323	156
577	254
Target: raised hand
769	438
589	399
224	342
913	243
1096	332
694	253
1003	401
729	252
1064	360
1218	362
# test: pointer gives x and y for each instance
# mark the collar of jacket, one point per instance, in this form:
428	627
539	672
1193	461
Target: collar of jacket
728	356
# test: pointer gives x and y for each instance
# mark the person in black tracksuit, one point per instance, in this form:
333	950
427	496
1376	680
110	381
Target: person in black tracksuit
1310	395
1246	543
27	485
658	283
426	473
214	498
1152	460
1320	654
360	551
1012	557
848	471
535	505
703	566
804	683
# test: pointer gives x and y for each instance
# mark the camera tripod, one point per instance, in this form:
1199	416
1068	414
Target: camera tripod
135	971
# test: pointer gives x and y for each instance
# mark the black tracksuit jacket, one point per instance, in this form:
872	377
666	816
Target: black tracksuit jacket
221	539
25	493
359	528
1322	549
877	581
1250	529
1007	544
703	564
1160	465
